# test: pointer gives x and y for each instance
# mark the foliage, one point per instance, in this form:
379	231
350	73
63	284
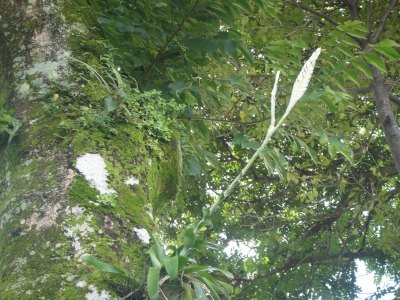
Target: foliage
331	193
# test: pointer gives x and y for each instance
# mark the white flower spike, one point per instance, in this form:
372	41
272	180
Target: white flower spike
303	79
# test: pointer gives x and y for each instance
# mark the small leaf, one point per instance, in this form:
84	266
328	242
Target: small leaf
177	87
109	105
363	67
386	43
336	146
389	52
375	60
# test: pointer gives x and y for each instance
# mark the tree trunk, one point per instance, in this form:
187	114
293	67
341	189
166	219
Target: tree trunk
51	213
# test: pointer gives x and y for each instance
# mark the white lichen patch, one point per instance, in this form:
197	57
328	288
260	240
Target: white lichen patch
78	232
142	234
81	284
96	295
93	167
132	181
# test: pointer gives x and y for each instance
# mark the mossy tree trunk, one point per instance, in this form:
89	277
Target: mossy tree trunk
51	216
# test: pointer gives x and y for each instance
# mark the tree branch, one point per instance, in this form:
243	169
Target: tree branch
386	116
377	34
319	258
353	6
394	99
170	39
314	12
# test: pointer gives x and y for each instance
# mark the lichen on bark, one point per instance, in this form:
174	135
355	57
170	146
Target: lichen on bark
50	216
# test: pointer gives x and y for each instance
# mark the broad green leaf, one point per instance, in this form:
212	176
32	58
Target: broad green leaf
193	165
154	258
104	267
153	280
157	248
200	295
171	264
188	291
212	286
178	87
189	237
375	60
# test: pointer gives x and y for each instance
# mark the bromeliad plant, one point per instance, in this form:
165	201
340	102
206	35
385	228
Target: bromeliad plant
178	275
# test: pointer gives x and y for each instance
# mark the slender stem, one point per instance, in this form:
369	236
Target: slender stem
170	39
271	130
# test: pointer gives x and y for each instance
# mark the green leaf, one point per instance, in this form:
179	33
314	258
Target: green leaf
188	291
375	60
363	67
109	105
389	52
211	158
198	268
352	75
193	165
336	146
310	151
154	258
104	267
356	33
177	87
153	280
244	5
200	295
157	249
171	264
189	237
349	41
386	43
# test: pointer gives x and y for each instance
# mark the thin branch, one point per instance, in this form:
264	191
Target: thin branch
311	11
394	99
377	34
319	258
170	39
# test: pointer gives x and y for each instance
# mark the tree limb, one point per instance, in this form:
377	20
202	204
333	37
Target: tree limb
377	34
386	116
314	12
353	6
394	99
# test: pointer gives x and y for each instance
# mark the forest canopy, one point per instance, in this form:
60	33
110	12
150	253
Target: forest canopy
326	193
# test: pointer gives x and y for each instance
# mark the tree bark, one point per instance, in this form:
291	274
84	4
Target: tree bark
386	116
49	218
